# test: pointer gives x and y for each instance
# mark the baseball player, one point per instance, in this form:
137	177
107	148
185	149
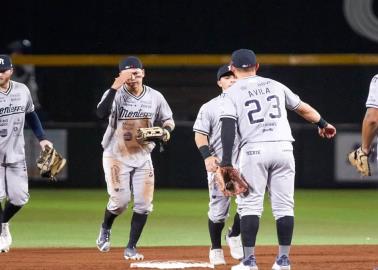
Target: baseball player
370	122
257	106
360	156
207	137
16	106
129	105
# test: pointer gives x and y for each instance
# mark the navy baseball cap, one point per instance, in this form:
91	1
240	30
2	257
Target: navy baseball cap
224	71
5	62
243	58
130	62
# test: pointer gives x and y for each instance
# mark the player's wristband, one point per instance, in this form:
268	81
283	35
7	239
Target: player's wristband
322	123
205	151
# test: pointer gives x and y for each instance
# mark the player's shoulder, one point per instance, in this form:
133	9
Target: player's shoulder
212	103
374	80
19	86
152	92
265	81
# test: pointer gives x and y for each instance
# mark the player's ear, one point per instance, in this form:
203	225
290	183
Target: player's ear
143	73
219	84
257	66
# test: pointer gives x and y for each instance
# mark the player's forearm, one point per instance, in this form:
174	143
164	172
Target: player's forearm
104	108
369	129
200	139
227	138
35	124
308	113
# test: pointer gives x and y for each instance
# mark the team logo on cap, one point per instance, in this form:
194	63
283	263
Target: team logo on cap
1	61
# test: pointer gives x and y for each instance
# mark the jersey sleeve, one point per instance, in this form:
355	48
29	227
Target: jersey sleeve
372	100
164	112
202	124
228	106
29	103
292	101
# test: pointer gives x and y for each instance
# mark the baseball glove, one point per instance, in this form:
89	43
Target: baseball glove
230	182
360	160
152	134
50	163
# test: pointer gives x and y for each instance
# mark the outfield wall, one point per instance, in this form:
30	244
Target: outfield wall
181	165
337	85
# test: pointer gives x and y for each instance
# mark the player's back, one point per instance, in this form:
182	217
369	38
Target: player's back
208	123
259	105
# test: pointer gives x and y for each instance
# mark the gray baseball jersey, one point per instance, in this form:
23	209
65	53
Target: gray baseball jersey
372	100
260	113
14	103
266	157
129	113
208	123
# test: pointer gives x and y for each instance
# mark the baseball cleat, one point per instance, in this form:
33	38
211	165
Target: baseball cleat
248	263
103	240
6	237
216	257
281	263
132	254
235	245
3	245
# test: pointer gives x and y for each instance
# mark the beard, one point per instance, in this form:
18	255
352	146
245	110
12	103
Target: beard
4	82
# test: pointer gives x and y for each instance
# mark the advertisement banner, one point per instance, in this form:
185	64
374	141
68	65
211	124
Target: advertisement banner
32	150
344	172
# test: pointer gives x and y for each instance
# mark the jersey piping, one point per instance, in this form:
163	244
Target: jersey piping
134	96
8	90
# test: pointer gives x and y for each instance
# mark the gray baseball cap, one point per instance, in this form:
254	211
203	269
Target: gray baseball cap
5	62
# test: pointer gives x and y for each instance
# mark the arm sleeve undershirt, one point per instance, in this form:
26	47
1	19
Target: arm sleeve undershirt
35	124
104	108
227	138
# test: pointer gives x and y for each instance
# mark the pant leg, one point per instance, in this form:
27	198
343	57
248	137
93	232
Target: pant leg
117	177
143	183
3	192
219	205
281	184
253	164
16	183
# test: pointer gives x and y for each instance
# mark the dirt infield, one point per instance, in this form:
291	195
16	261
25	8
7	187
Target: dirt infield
303	257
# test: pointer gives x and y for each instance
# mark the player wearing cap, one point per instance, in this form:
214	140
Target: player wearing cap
257	106
16	106
129	105
207	137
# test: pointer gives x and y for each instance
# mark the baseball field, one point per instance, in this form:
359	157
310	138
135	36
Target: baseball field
335	229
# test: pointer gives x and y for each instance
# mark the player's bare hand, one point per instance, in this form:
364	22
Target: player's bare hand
43	143
328	132
127	76
211	163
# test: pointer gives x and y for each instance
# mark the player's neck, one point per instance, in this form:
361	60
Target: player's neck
136	91
241	75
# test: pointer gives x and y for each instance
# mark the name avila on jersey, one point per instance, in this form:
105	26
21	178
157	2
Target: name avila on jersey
259	91
11	109
124	113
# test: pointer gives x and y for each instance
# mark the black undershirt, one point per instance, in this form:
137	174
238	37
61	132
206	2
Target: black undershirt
227	138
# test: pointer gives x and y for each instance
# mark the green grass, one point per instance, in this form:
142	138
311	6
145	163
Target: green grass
71	218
